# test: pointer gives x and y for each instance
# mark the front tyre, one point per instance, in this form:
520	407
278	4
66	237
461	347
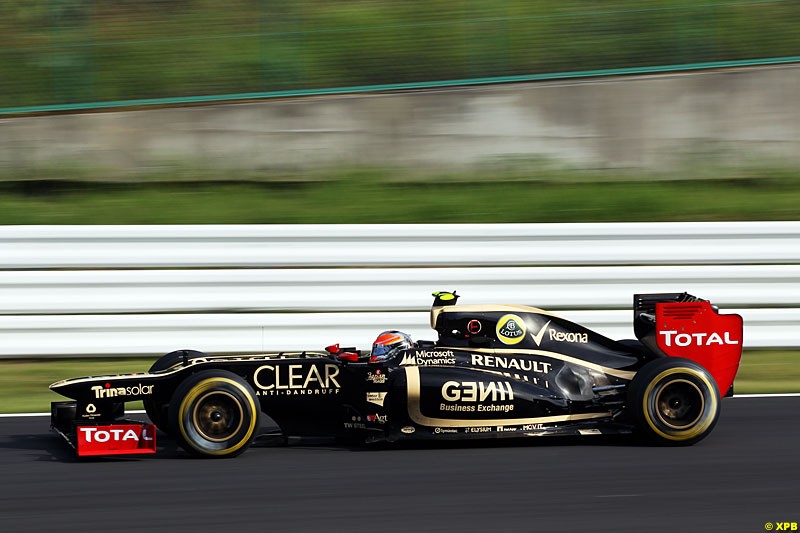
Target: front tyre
675	401
214	414
156	407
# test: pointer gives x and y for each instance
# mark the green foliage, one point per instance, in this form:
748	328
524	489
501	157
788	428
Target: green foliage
70	51
360	196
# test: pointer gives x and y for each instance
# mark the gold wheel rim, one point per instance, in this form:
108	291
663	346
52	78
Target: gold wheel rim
672	405
217	416
689	433
205	386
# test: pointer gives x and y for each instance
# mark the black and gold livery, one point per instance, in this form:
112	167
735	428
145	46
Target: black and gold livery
495	371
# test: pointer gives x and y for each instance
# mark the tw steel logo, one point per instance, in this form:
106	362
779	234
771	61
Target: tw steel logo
673	338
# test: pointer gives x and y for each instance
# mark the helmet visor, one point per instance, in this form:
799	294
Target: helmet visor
381	351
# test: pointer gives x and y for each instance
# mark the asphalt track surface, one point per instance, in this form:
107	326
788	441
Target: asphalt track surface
745	474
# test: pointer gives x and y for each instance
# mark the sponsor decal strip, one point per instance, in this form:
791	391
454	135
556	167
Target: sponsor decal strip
141	412
624	374
113	392
283	379
429	358
697	339
376	397
114	439
414	411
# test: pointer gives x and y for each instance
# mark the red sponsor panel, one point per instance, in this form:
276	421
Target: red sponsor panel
694	330
116	439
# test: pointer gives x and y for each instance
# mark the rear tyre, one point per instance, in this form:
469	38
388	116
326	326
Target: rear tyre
675	402
157	408
214	414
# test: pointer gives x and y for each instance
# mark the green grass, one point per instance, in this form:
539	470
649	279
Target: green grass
768	371
102	50
23	384
382	197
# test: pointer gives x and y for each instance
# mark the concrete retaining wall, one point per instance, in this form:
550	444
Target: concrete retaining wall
651	122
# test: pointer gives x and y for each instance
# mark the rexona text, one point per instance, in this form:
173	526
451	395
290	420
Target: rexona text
559	336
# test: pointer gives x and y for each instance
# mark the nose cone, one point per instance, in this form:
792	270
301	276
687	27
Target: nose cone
65	387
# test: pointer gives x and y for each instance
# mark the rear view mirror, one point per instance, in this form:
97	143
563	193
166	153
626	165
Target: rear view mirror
348	357
345	355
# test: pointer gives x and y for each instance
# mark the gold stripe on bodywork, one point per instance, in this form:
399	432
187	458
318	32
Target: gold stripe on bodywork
436	311
414	389
623	374
303	356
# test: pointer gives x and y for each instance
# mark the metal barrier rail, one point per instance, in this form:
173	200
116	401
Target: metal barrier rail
184	286
381	289
95	247
153	335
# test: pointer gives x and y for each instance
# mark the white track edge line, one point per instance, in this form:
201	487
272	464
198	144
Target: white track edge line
776	395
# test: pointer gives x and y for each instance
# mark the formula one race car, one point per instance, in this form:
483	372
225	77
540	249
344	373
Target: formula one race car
495	371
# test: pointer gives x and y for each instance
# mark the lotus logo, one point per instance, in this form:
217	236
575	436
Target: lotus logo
510	329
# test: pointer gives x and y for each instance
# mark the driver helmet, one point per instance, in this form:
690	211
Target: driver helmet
389	343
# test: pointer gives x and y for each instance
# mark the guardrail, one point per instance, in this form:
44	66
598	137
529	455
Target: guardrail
129	290
263	246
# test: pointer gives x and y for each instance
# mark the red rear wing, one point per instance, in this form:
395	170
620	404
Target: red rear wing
694	330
